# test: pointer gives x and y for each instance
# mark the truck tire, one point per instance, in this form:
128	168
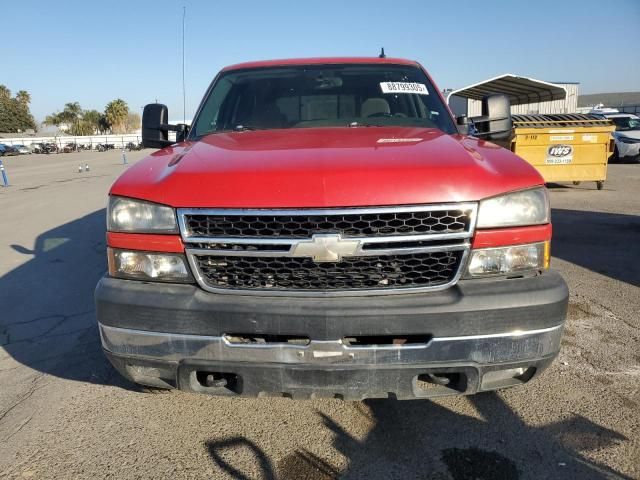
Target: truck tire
600	185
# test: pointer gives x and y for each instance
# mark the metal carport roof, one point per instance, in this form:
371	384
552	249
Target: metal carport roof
519	89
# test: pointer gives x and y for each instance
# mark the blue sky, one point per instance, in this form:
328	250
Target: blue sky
92	52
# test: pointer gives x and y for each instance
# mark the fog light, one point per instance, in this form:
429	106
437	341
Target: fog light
158	267
507	260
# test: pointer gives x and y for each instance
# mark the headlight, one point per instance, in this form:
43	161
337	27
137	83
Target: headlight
129	215
527	207
509	260
155	267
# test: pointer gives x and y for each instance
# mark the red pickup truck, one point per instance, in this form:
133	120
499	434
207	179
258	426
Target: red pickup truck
325	227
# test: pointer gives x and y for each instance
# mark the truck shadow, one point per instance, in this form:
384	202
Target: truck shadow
422	439
47	323
408	435
606	243
47	319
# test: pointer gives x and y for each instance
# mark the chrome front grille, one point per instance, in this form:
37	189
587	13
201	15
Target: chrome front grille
328	251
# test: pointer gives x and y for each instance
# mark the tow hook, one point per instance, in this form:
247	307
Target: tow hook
211	381
437	379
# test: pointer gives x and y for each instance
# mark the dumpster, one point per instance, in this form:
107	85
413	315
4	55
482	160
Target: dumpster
564	147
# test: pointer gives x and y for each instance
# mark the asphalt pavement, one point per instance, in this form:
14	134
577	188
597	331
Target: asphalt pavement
65	413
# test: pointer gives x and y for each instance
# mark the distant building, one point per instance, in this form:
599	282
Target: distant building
527	96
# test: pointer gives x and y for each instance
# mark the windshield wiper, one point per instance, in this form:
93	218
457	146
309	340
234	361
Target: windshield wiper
245	128
237	128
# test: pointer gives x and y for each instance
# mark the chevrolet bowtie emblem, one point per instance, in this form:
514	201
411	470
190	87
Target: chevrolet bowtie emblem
326	248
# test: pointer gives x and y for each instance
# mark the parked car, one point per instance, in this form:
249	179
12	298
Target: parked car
36	147
71	147
326	228
8	150
43	147
626	136
23	150
50	148
103	147
131	146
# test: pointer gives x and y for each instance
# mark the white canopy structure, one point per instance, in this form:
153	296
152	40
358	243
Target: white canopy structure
520	90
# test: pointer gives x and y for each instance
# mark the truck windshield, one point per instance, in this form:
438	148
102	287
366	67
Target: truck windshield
322	96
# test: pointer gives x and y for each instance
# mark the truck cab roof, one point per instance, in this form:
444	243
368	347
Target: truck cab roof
320	61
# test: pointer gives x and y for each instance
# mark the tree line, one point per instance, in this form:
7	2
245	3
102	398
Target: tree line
15	116
116	118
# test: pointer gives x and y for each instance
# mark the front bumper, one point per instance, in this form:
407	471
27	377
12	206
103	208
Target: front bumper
628	150
477	336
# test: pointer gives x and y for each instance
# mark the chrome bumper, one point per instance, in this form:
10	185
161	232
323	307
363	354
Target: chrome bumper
476	349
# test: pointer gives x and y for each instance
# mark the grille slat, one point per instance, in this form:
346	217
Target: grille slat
359	273
349	225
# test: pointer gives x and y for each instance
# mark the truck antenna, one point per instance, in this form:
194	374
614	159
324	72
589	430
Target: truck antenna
382	55
184	90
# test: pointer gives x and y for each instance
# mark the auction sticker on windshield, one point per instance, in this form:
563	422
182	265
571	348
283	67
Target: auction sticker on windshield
404	87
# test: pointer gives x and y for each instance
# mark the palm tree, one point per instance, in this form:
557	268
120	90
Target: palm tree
92	117
23	97
103	124
70	117
53	119
5	93
71	113
14	112
116	112
73	109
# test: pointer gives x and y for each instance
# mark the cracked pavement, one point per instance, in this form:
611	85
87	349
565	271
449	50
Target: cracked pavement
65	413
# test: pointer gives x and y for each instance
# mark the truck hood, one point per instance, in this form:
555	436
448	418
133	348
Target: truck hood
326	167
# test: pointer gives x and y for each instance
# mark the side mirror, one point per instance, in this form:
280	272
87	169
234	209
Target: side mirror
155	129
463	125
495	122
181	132
154	122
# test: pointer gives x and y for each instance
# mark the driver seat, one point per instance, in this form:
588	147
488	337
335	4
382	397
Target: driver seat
374	106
